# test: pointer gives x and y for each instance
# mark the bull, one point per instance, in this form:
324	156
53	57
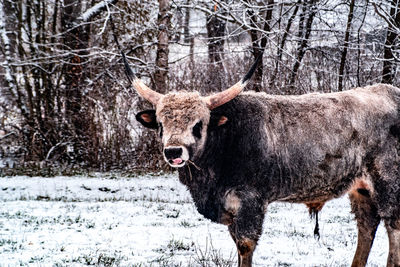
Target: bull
239	151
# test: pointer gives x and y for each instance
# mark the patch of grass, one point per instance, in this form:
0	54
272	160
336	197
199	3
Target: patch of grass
112	226
161	207
36	222
173	247
35	259
78	219
340	219
284	264
10	245
90	225
211	257
98	259
163	260
186	224
173	214
108	260
179	245
33	169
96	208
208	257
7	242
295	233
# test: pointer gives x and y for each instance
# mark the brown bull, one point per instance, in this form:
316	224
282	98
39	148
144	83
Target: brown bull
237	152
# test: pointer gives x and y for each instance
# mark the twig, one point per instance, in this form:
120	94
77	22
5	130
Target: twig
191	162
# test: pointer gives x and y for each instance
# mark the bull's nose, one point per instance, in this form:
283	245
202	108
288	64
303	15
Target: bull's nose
173	152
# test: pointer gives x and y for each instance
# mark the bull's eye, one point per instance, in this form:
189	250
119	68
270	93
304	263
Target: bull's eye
160	129
197	129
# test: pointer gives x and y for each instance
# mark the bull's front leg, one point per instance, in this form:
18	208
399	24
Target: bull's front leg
243	212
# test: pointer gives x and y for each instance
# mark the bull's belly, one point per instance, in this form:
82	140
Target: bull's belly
317	184
309	198
322	192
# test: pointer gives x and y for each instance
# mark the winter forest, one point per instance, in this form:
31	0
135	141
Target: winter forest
66	103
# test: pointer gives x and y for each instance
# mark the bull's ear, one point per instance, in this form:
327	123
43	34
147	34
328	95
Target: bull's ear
218	120
147	118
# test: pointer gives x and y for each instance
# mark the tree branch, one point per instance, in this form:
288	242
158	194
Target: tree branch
95	10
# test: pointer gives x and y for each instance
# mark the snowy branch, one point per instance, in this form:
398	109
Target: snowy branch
385	16
95	10
7	135
60	144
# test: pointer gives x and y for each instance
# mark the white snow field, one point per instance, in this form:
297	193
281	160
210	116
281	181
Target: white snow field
111	220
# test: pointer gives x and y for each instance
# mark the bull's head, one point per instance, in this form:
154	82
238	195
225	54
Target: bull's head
182	118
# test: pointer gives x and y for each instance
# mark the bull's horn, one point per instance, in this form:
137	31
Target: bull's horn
223	97
139	86
146	92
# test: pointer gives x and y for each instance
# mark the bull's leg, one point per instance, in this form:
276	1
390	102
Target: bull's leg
245	248
393	230
247	212
367	222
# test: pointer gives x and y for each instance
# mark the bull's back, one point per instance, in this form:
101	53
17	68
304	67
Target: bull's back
320	141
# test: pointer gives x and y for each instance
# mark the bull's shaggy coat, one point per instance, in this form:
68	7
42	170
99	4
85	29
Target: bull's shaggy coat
259	148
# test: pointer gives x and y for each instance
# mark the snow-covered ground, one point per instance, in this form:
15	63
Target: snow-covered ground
149	220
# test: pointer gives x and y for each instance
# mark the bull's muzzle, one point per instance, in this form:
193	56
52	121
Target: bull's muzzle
176	156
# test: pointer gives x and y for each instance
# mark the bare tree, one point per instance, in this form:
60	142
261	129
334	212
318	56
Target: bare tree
392	34
76	38
345	45
362	19
61	74
304	30
186	26
48	61
215	44
259	43
163	22
282	44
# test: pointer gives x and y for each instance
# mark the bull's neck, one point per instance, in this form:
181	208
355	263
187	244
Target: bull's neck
202	185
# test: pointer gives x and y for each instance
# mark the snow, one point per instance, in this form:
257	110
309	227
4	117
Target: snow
151	221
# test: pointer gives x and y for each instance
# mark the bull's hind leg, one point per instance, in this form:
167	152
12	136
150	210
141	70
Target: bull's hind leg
368	220
393	230
387	193
245	226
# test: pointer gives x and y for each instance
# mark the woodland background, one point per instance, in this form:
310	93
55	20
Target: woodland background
65	102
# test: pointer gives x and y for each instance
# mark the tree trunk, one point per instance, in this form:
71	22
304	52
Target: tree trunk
8	26
359	44
258	45
27	97
76	39
215	34
345	46
186	26
164	22
283	42
305	27
389	64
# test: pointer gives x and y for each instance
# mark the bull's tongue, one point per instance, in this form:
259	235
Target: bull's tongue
177	161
